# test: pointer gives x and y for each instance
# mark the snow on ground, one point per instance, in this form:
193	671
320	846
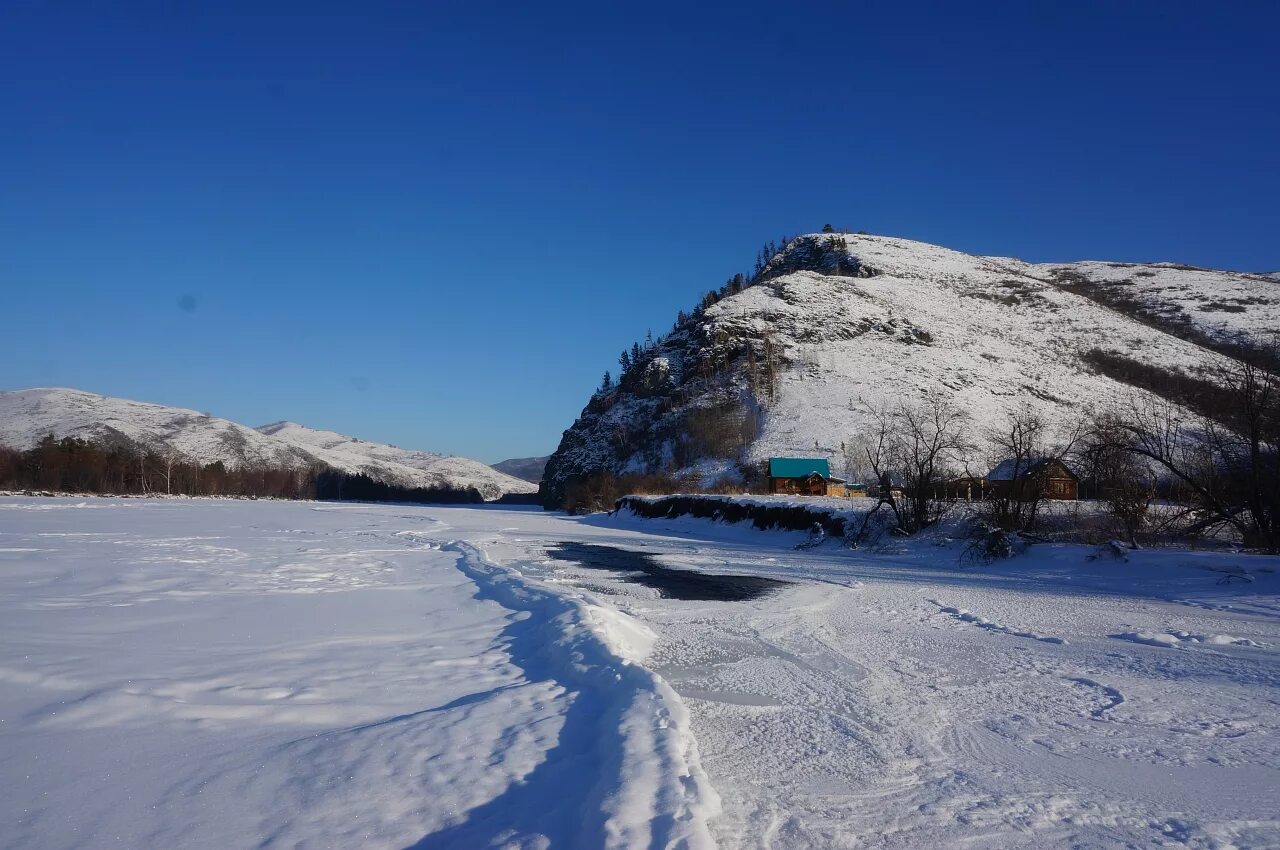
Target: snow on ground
226	674
234	674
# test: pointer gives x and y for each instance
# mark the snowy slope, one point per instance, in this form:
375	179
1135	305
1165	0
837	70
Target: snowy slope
396	465
26	416
913	318
1221	305
526	468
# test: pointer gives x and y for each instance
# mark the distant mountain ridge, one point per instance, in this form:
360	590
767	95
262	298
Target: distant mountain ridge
525	468
780	363
27	416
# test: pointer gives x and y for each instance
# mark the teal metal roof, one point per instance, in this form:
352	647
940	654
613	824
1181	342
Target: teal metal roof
798	467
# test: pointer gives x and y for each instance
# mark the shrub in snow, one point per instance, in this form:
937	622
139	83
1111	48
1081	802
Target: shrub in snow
988	543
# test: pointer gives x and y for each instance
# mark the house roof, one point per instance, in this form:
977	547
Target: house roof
798	467
1008	470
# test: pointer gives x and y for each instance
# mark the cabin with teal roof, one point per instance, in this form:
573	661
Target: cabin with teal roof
803	476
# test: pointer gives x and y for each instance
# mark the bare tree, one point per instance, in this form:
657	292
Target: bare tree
1127	482
921	444
931	439
871	450
1023	444
167	458
1225	468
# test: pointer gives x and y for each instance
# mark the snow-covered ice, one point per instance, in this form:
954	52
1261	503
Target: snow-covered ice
201	673
184	673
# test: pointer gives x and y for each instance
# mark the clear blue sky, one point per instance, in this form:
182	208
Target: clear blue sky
436	224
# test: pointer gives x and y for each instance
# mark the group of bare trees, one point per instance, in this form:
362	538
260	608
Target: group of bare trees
72	465
1221	469
81	466
911	450
1216	470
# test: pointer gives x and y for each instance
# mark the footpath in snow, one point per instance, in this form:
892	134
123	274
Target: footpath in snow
228	674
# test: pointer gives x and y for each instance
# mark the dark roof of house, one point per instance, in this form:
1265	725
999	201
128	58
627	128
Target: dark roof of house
798	467
1008	470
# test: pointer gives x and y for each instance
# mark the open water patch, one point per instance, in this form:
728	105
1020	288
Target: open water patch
645	569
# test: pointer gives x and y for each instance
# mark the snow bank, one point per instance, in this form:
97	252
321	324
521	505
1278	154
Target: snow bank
1176	638
658	796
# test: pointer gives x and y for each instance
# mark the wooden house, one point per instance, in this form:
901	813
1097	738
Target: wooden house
1053	476
802	476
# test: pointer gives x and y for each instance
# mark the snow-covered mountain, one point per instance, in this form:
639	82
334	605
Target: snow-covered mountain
780	366
398	466
524	468
26	416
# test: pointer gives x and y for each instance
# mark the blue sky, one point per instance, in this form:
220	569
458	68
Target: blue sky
436	224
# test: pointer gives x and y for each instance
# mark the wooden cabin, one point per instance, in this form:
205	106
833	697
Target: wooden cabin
803	476
1051	474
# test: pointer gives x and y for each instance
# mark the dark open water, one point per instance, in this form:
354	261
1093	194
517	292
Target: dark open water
643	568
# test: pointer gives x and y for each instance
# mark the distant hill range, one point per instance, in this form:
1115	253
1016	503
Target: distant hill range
27	416
524	468
779	362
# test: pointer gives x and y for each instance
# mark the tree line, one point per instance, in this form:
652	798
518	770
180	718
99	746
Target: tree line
825	254
633	361
74	465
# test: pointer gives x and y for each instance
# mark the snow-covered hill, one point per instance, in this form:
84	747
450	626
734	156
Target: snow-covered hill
26	416
781	366
398	466
524	468
1210	306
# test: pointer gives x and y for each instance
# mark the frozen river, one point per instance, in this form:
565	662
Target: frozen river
220	674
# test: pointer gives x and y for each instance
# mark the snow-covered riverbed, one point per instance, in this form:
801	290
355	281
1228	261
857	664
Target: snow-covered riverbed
231	674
